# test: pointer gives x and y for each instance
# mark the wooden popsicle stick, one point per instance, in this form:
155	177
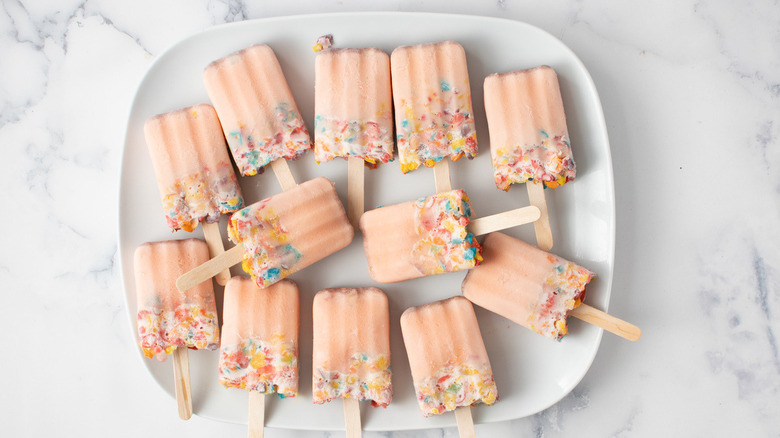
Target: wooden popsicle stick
181	382
352	418
256	414
216	247
606	321
355	190
544	238
502	221
283	174
441	173
198	275
465	422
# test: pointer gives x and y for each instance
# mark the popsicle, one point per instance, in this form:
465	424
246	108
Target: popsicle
351	357
170	321
259	116
259	350
529	140
449	363
353	114
282	234
429	236
535	289
196	180
433	114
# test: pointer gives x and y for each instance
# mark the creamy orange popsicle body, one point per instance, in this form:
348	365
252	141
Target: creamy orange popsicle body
351	346
447	356
259	116
291	230
432	97
531	287
194	174
353	105
167	318
259	349
529	140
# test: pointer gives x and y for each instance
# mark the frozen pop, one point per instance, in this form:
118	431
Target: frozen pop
429	236
535	289
168	318
282	234
529	141
291	230
353	114
449	363
432	96
194	174
170	321
259	350
353	106
351	345
259	116
351	357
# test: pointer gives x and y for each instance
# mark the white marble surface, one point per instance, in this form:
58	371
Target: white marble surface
691	95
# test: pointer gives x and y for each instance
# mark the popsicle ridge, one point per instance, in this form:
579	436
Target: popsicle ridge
528	133
432	95
353	106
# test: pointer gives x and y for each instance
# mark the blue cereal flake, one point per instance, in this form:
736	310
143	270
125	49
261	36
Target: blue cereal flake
445	86
319	126
271	274
292	249
470	253
237	135
544	133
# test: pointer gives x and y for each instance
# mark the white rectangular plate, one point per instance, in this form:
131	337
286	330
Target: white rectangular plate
532	372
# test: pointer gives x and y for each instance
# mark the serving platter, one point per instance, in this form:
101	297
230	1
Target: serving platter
532	373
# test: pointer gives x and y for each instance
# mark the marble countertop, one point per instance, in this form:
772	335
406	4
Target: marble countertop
691	96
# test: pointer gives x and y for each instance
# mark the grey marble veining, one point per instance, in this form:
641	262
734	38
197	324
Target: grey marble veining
691	95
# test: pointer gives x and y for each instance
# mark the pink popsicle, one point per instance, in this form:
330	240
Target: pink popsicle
259	116
351	346
447	356
259	349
